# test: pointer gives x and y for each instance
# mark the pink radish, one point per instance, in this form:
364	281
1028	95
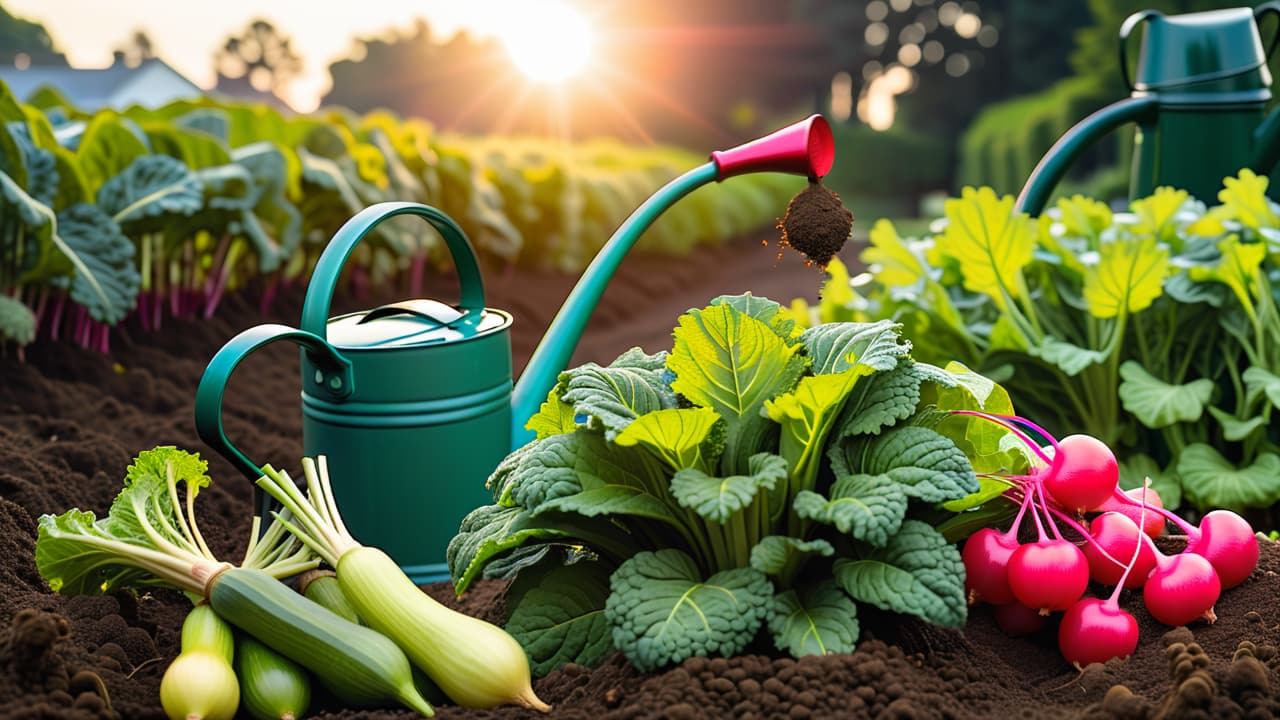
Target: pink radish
1227	541
1126	503
1096	630
1084	473
1016	619
1048	575
1182	589
1117	535
986	566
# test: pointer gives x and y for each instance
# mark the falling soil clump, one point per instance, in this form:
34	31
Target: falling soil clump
816	224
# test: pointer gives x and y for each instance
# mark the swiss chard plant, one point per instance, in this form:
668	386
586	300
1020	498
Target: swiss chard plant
1156	330
755	481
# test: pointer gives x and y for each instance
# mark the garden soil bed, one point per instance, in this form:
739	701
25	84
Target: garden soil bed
70	420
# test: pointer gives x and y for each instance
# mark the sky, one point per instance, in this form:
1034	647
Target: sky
187	34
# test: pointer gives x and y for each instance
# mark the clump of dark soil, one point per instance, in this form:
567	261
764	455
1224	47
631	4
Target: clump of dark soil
70	420
816	223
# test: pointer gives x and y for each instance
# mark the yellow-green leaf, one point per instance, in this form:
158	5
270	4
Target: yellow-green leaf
990	241
1128	278
1246	197
1212	223
1156	213
1084	217
1235	269
553	418
894	263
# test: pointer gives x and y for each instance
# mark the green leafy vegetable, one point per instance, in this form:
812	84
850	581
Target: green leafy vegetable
818	621
919	572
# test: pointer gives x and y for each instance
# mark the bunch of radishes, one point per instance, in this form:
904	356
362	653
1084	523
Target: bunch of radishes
1026	582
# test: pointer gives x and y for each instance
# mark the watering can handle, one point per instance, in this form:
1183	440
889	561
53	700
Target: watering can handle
315	306
333	378
1130	23
1272	7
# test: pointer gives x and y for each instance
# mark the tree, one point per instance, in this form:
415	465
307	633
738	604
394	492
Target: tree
23	42
262	54
137	49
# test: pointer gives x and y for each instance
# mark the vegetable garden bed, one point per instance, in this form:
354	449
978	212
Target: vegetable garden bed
71	419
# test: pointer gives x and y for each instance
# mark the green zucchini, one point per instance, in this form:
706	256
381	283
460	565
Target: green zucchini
322	587
359	665
272	687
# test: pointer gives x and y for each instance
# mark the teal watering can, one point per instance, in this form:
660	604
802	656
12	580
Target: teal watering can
1199	99
412	403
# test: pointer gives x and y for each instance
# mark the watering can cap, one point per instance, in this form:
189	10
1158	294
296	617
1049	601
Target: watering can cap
412	323
1209	49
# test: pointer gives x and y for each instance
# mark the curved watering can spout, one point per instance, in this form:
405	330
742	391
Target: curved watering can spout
803	148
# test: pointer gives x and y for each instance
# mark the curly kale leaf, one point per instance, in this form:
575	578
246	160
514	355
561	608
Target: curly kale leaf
918	573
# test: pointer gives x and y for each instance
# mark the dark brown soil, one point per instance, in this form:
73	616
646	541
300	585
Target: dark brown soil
816	223
70	420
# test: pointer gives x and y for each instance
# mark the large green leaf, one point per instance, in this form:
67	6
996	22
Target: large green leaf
1235	429
991	242
564	465
1128	278
561	619
836	347
611	500
880	401
865	507
194	148
1157	403
1136	468
613	396
733	363
973	391
774	552
17	323
106	282
107	148
662	611
152	185
718	499
1257	382
927	465
677	435
807	415
268	166
1210	480
1066	356
818	620
919	573
760	308
486	532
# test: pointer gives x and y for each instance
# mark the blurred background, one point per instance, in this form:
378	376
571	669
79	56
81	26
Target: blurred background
925	95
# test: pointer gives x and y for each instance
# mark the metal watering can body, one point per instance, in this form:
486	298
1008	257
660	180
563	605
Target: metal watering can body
1199	97
412	404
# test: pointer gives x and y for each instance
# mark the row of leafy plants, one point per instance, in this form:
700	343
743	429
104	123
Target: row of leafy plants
161	212
1156	330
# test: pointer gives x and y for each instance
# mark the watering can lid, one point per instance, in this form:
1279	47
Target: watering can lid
412	323
1199	47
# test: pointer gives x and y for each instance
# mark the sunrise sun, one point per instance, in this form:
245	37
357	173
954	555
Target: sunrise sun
549	42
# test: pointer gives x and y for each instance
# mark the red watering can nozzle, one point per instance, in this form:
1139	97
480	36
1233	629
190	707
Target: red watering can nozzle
802	148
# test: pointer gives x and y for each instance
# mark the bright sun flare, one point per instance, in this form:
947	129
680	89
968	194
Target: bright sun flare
548	41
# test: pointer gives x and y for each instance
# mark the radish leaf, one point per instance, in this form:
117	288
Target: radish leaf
865	507
1158	404
1210	480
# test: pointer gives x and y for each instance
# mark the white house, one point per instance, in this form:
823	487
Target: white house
151	84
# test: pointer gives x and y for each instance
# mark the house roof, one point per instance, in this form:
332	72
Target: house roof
89	89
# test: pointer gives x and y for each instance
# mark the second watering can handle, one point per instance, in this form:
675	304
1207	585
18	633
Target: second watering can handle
1272	7
315	307
333	378
1131	23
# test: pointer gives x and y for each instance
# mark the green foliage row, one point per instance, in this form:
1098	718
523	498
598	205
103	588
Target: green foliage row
168	209
755	480
1003	144
1156	330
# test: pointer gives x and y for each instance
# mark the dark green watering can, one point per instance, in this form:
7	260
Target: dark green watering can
412	403
1198	98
